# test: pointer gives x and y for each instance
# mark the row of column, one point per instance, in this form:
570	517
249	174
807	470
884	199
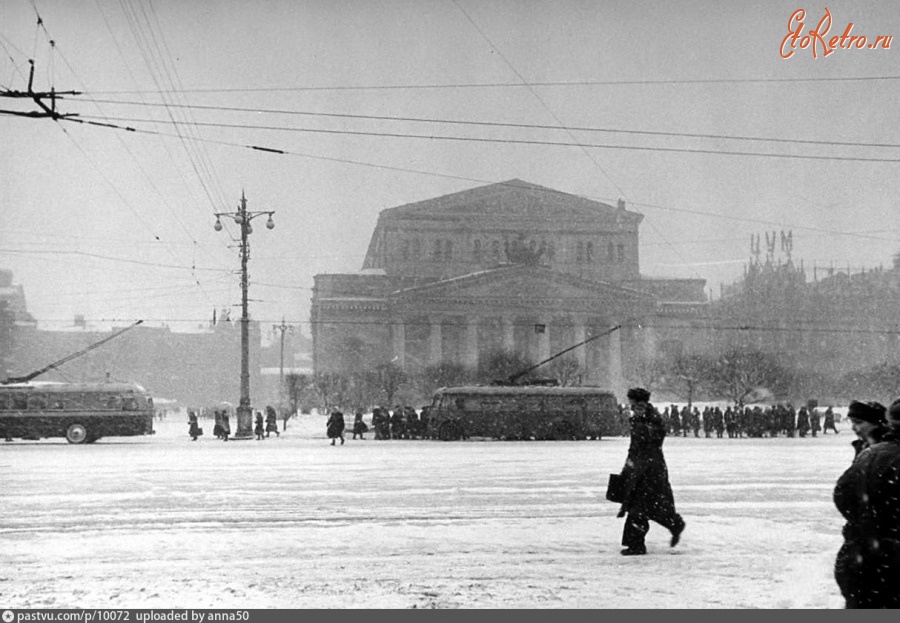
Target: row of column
470	352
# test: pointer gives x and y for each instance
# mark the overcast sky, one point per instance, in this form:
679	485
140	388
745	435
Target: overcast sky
118	225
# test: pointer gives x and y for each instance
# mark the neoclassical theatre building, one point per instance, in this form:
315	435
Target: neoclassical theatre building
512	266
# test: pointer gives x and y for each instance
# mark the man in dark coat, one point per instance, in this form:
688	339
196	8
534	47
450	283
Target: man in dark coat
867	567
648	494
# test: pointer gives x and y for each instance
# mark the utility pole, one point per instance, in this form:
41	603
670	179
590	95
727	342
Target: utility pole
243	217
283	328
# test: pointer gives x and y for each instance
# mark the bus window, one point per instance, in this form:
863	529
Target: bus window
19	402
114	402
5	402
36	402
129	404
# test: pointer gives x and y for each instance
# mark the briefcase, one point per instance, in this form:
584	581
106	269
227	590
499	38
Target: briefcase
615	490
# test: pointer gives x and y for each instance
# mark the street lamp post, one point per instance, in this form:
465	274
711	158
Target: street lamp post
281	327
243	217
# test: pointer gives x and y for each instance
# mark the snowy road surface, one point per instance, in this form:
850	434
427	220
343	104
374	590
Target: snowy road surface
163	522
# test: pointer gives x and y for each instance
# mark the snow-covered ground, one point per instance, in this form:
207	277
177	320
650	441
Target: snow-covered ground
292	522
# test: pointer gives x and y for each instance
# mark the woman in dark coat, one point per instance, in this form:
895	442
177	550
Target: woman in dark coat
217	428
829	422
648	494
194	429
335	426
359	427
867	567
258	429
226	426
271	421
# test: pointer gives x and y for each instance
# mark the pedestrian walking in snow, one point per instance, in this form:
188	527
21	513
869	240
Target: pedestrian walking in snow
829	422
815	422
648	494
194	429
226	426
258	429
803	424
378	423
217	427
271	421
867	567
335	426
359	427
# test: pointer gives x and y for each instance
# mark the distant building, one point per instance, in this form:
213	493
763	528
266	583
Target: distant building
14	317
194	369
512	266
833	324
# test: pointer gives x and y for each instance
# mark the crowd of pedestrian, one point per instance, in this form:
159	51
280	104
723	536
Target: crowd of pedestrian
401	423
771	421
263	427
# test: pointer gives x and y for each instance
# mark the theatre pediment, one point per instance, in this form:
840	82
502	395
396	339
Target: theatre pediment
514	199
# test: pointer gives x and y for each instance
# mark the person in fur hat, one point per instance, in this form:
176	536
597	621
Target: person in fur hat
867	567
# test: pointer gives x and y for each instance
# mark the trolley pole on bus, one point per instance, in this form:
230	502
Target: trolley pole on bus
243	217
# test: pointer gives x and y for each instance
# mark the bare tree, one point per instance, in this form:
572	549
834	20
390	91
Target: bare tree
499	365
566	370
331	388
297	388
649	374
738	373
685	375
388	378
444	374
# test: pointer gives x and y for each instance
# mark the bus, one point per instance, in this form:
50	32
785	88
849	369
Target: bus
80	412
523	412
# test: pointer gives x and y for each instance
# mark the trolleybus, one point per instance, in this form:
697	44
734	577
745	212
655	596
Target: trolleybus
80	412
523	412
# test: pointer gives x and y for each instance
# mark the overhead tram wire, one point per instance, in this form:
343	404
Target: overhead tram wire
440	137
157	71
128	150
156	55
165	144
110	258
476	180
708	328
519	85
175	80
526	126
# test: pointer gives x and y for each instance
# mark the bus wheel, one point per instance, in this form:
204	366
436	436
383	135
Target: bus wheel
76	433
